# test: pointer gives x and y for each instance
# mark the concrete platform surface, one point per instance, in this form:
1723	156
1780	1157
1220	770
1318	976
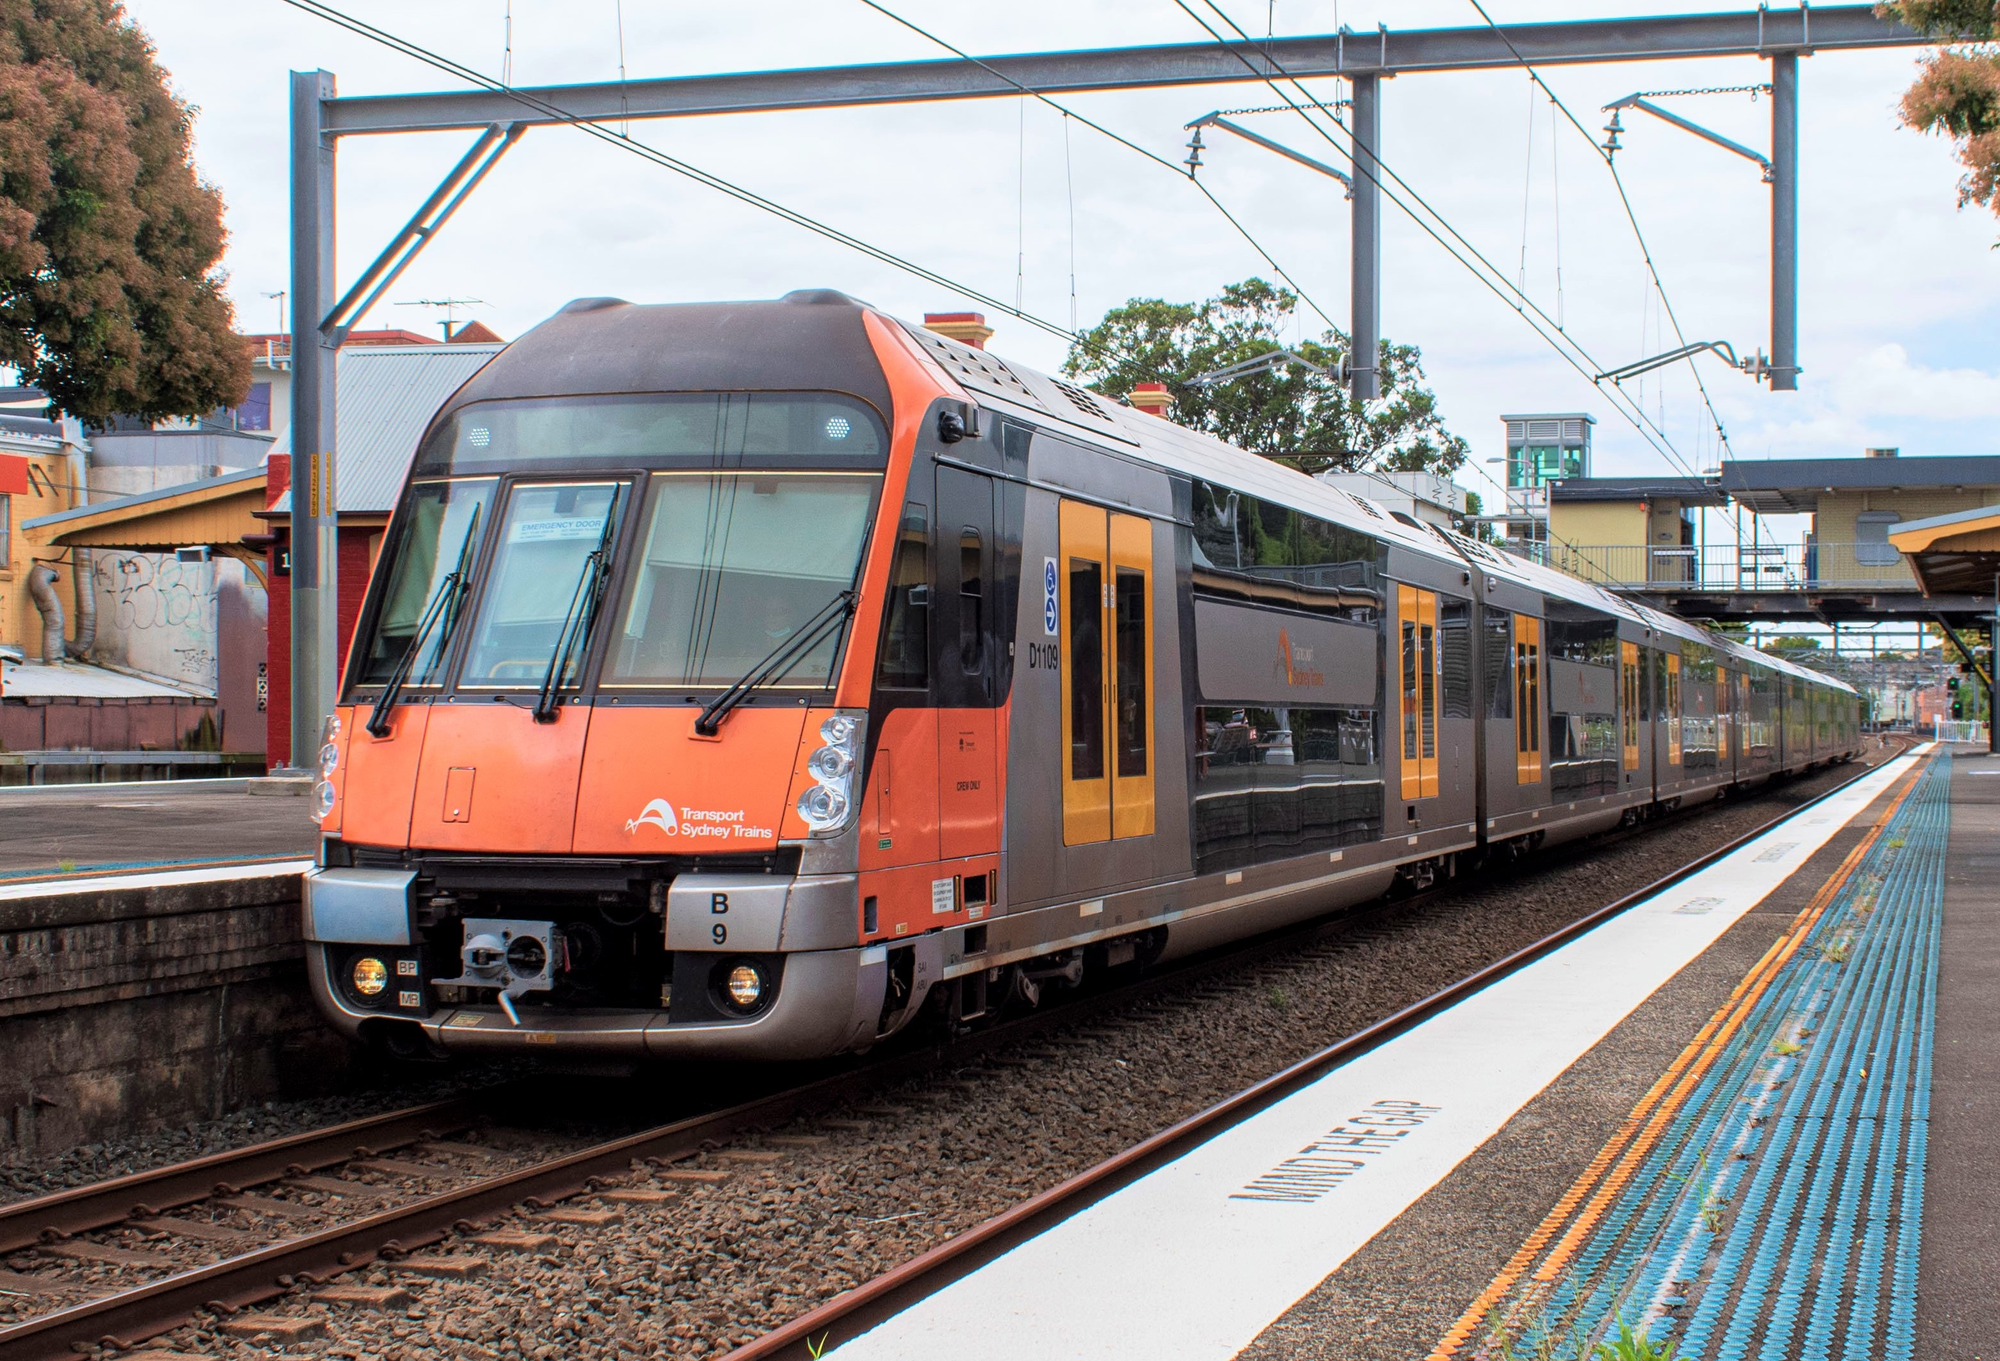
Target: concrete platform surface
1227	1250
66	829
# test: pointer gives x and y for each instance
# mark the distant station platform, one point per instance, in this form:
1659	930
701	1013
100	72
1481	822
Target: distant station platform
1751	1116
60	831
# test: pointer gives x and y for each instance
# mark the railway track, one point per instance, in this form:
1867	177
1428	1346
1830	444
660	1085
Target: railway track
295	1214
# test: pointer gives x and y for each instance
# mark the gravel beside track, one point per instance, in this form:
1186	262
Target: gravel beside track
692	1258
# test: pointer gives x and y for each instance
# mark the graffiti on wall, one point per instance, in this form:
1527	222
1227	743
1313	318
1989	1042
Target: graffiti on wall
160	614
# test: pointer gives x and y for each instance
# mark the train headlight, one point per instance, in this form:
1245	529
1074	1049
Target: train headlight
825	807
370	976
323	800
324	795
743	985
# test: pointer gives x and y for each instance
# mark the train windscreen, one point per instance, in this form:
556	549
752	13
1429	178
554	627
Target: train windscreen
730	567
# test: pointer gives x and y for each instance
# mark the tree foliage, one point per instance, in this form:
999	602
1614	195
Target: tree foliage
110	296
1957	92
1295	415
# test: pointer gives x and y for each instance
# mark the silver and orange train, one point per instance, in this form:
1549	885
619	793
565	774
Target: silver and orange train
746	680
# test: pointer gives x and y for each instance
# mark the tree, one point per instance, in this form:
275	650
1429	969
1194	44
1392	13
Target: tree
1296	416
1957	93
110	296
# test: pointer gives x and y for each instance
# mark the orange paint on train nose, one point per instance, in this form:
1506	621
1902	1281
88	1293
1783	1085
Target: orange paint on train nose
378	775
493	779
651	787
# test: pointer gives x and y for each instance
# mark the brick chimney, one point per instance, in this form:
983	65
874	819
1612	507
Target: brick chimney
967	328
1151	398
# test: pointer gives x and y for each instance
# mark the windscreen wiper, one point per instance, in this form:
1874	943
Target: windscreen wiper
578	618
443	606
777	662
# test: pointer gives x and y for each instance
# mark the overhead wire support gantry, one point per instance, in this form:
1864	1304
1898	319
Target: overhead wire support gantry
320	118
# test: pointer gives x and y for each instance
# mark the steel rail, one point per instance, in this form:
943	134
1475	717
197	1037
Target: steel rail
128	1318
64	1214
850	1314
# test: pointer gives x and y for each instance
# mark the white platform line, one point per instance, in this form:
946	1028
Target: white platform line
157	878
1196	1259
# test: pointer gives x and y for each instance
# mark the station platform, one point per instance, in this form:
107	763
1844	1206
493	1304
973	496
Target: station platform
1752	1116
56	831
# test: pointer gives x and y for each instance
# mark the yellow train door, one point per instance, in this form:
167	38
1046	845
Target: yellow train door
1527	700
1672	708
1628	716
1105	579
1422	690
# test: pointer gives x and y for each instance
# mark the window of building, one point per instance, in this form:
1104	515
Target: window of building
6	532
1871	538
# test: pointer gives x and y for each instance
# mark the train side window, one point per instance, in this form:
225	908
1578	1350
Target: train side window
1455	645
1086	675
1628	708
971	602
906	629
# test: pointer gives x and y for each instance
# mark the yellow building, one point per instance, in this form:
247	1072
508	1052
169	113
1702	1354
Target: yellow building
1627	530
38	473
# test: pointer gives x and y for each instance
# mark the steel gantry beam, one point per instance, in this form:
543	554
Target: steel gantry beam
320	118
1753	33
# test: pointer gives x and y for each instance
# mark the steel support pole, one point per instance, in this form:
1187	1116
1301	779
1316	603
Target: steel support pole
1784	222
1366	295
315	583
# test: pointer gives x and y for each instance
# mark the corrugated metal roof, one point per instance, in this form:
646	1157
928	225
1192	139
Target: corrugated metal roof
387	395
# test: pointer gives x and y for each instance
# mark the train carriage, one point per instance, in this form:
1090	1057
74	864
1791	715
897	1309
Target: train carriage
747	680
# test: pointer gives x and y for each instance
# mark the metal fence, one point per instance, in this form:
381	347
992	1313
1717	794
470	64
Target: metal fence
1727	567
1957	730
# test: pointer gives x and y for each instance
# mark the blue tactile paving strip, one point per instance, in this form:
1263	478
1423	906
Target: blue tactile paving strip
1778	1215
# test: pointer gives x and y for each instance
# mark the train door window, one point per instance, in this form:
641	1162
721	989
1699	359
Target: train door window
1527	700
1725	705
1083	535
971	602
906	628
1417	616
1628	708
1131	543
1671	705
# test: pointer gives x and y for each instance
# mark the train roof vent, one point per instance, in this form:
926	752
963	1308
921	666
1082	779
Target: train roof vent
1084	400
976	369
1478	550
1367	507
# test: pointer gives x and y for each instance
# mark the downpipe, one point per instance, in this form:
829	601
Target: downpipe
42	580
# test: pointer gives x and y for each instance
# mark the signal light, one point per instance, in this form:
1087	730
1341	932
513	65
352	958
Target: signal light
1951	684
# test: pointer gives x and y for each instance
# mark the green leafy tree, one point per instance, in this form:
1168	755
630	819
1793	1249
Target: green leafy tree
1297	416
110	296
1957	92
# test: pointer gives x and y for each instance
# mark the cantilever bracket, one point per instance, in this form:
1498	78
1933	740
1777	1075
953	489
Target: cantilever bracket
417	232
1648	106
1216	120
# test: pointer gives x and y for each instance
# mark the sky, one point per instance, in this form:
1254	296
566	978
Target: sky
1900	290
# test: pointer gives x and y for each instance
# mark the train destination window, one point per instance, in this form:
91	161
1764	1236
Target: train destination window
730	567
904	663
542	561
436	549
1277	782
660	429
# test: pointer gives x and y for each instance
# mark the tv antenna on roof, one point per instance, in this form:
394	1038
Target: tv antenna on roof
450	306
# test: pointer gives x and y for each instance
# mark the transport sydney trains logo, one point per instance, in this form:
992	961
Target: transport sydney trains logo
1297	662
725	824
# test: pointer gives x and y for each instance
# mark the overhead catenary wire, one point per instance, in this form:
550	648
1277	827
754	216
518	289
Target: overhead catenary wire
1631	215
321	10
1489	275
1120	139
